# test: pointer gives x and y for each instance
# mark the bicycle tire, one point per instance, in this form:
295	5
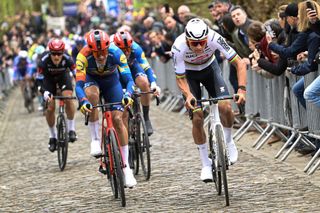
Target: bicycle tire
216	173
133	151
110	173
116	154
222	160
144	147
62	142
28	99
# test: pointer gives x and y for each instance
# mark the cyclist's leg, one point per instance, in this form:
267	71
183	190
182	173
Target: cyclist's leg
112	92
50	85
219	88
198	133
91	88
65	84
142	82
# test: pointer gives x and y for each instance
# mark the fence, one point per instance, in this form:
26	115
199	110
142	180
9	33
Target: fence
269	101
5	86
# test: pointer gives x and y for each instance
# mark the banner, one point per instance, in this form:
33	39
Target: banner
56	23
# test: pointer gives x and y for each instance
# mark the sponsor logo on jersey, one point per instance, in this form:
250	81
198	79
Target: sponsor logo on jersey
123	59
223	43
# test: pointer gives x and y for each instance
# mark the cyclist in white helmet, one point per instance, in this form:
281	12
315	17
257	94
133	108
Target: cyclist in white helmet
195	63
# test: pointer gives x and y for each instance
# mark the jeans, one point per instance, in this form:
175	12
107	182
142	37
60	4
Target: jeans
312	92
298	89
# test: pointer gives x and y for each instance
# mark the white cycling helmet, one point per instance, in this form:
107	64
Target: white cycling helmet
23	54
196	29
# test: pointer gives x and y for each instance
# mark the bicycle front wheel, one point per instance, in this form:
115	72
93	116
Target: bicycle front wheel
62	144
118	165
144	147
109	165
216	173
222	160
133	147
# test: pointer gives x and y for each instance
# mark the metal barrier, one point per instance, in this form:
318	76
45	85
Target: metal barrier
5	87
269	101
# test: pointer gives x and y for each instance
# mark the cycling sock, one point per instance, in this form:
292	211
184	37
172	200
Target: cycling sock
203	149
145	110
125	154
53	132
228	134
70	124
94	133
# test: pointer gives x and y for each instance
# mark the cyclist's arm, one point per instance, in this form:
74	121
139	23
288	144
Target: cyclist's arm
125	73
241	71
81	65
142	60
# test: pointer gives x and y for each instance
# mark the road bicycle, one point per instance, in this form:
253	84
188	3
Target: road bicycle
111	161
139	143
217	146
62	132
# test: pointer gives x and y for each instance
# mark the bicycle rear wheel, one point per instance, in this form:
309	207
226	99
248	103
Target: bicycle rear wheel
143	146
62	143
118	165
216	173
222	160
28	99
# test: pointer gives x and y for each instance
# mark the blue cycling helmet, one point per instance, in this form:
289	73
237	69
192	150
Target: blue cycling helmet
80	41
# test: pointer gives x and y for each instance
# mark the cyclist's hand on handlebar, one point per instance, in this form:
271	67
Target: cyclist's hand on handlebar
191	102
154	87
86	107
47	96
127	100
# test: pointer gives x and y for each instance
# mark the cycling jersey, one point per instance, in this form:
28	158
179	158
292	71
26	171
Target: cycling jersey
21	68
185	59
47	67
54	75
137	57
88	72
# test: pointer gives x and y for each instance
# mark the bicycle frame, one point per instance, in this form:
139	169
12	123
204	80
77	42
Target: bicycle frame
107	126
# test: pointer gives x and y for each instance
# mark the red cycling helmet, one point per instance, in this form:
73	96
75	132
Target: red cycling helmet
98	40
56	45
123	40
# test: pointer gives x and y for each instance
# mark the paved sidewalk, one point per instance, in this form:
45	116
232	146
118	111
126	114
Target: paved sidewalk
30	180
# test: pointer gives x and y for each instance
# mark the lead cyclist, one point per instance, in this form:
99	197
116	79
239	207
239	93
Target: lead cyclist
195	63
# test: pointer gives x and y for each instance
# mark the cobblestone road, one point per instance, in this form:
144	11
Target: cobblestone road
30	180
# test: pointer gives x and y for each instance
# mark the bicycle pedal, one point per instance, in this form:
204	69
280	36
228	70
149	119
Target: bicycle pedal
208	180
102	170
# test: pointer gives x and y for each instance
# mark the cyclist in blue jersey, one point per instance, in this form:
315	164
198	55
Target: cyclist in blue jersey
22	70
99	69
141	70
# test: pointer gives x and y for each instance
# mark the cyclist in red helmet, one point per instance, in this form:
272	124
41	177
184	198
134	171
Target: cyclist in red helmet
55	65
141	71
99	69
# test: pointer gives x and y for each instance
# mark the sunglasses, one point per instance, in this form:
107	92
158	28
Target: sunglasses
56	53
99	53
196	43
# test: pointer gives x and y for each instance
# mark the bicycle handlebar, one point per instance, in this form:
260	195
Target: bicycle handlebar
138	94
215	100
64	97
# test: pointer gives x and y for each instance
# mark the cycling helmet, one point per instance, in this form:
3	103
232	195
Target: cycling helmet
196	29
123	40
23	54
56	45
80	41
98	40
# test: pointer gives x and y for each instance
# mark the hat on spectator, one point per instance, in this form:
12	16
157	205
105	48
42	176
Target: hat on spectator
291	10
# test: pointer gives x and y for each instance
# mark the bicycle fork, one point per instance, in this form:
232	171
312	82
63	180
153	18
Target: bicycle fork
215	121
